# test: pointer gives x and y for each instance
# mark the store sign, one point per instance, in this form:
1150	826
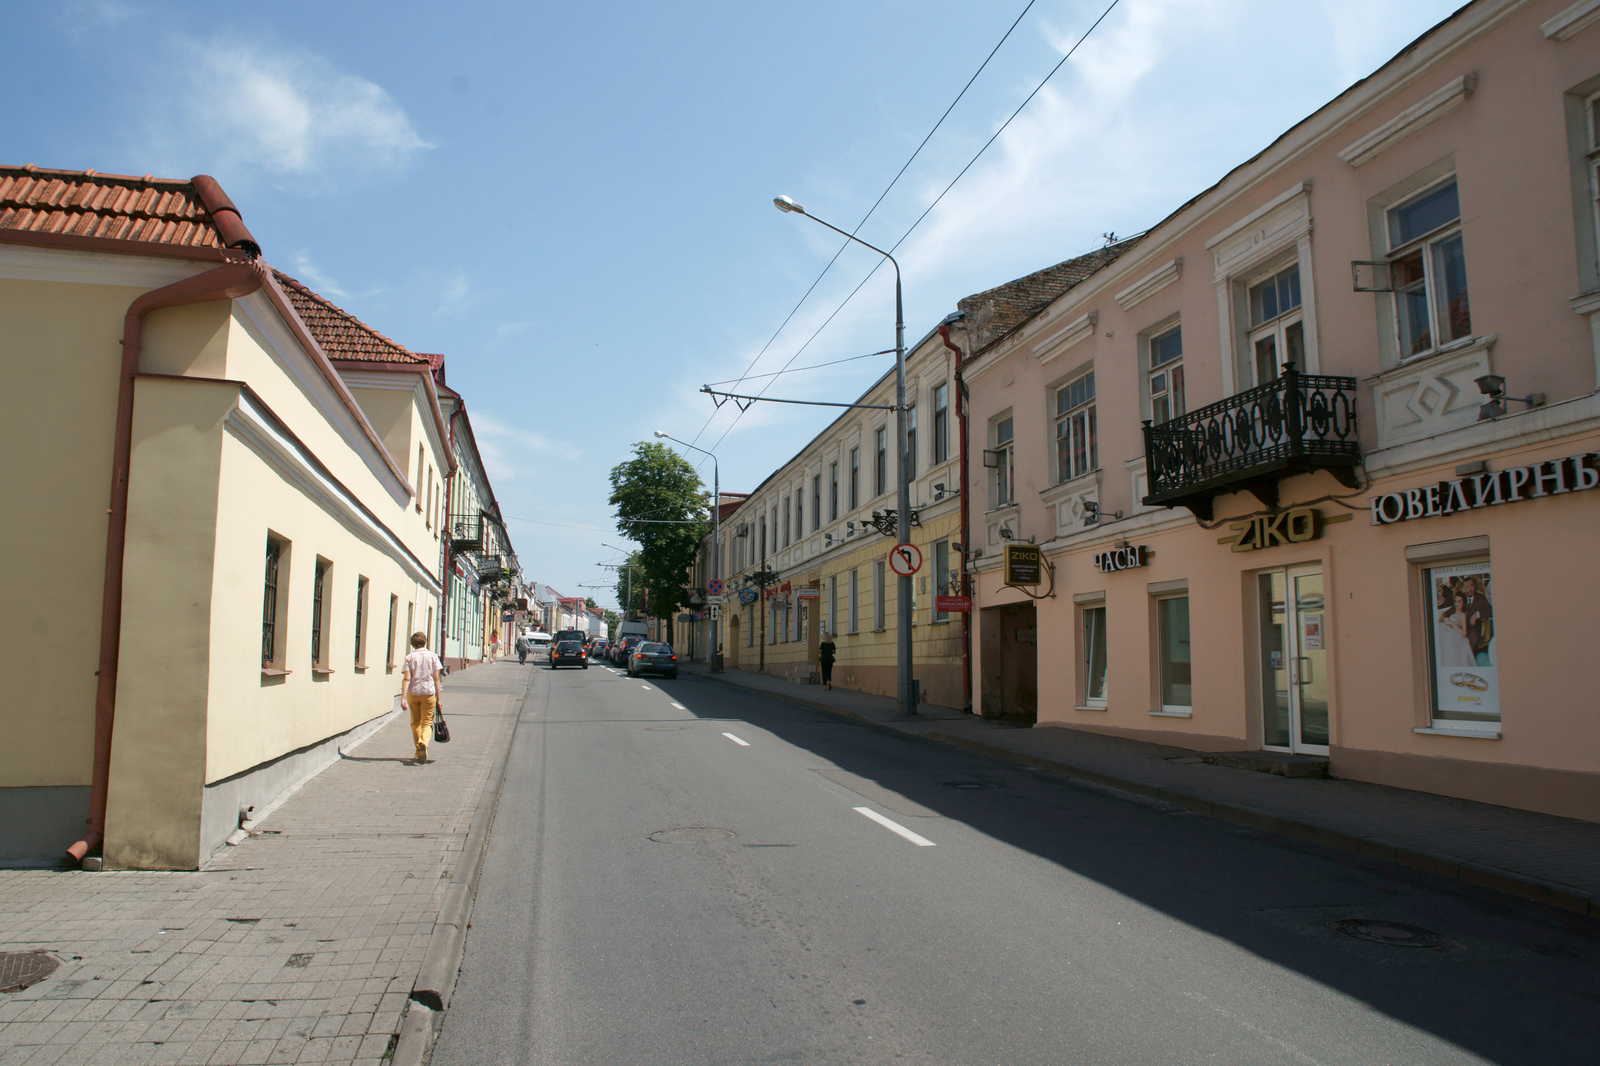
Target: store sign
748	596
1575	473
1121	559
1286	527
952	603
808	594
1024	564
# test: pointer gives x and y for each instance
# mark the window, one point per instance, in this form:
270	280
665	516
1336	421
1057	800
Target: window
833	604
417	490
1004	464
786	521
1277	334
855	478
361	621
941	423
1166	375
854	620
763	538
319	615
816	502
1172	624
750	627
877	596
1077	440
833	492
1428	270
394	616
911	441
411	623
1461	629
1094	655
274	594
880	481
941	578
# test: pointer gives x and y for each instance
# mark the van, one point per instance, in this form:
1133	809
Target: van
633	629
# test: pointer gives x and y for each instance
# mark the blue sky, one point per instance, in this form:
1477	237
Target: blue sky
574	201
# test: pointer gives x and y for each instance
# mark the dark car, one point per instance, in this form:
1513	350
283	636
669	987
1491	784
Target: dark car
652	658
571	634
568	653
625	647
599	648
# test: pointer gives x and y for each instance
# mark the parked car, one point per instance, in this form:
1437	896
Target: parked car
624	647
568	653
650	657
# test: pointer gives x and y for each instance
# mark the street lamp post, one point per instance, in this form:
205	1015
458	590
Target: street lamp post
716	541
907	700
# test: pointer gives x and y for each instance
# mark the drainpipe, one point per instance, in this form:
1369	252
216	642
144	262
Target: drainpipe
235	279
966	543
449	555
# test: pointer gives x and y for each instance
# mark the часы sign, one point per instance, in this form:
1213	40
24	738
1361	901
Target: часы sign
1575	473
1124	558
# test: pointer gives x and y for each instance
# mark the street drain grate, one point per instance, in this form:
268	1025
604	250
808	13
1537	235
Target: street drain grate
694	834
966	784
19	969
1395	934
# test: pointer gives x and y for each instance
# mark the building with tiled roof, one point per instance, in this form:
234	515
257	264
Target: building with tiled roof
342	335
995	313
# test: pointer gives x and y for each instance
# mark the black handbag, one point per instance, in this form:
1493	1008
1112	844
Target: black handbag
441	731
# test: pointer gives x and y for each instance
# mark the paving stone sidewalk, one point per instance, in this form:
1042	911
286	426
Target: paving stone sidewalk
301	944
1535	856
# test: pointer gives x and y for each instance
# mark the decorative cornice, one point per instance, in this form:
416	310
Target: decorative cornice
1429	109
1079	329
1573	21
1151	284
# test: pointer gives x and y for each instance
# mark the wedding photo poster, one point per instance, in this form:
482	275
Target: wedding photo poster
1461	616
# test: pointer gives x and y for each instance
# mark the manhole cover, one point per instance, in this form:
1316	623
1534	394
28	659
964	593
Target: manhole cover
966	784
1395	934
694	834
19	969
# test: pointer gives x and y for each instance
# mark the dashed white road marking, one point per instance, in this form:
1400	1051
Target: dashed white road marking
896	827
736	740
644	686
680	706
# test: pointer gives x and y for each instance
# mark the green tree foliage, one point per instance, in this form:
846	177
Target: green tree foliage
636	588
658	497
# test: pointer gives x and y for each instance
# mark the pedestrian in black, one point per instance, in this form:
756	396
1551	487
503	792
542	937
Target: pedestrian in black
826	651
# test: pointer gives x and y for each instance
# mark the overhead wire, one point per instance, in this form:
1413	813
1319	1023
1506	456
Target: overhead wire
976	156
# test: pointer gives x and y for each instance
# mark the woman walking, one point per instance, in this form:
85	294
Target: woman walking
423	679
826	651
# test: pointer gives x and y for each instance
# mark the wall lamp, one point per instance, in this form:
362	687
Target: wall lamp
1494	387
1092	513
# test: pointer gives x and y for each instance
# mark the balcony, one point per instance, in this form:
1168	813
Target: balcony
1253	440
466	533
490	569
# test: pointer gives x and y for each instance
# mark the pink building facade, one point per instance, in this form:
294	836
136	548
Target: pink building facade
1313	463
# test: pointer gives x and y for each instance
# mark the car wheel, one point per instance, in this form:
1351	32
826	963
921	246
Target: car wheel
672	677
586	666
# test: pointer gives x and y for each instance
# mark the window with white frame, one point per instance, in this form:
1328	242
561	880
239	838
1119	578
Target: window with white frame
911	441
1172	629
833	491
1428	269
941	423
1077	437
1591	112
1166	375
1277	329
1002	459
833	604
851	600
816	502
880	473
855	478
1094	654
786	514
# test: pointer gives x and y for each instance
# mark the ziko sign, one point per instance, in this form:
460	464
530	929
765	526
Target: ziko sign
1121	559
1024	564
1286	527
1574	473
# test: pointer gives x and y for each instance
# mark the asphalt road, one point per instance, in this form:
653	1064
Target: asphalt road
681	872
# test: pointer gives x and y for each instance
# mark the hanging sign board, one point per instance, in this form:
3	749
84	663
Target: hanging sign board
905	559
952	603
808	594
1024	564
748	596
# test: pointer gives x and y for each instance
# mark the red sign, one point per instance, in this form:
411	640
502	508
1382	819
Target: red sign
809	594
905	559
952	603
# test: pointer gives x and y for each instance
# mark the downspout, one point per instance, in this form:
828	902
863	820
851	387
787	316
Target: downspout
444	578
235	279
966	543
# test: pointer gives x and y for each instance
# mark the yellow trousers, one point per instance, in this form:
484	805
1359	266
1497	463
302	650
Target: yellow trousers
421	718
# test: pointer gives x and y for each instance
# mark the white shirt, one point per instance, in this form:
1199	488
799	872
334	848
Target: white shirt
421	665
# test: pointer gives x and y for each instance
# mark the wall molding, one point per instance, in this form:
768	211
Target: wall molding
1573	21
1429	109
1150	284
1079	329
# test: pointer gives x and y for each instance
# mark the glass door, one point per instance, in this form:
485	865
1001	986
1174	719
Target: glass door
1294	660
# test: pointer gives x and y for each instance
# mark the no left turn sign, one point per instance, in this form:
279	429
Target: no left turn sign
905	559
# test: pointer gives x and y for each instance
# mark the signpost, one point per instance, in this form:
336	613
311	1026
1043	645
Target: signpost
1024	564
906	559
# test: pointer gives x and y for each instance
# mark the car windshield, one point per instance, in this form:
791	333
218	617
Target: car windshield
655	649
568	645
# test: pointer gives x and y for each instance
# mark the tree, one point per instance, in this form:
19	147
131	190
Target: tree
662	506
588	601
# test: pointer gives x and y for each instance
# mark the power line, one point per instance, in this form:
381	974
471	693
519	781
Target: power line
806	295
798	369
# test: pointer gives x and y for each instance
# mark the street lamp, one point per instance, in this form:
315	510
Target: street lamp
907	700
716	537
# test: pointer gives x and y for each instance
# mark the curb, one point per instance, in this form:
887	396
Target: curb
436	980
1524	886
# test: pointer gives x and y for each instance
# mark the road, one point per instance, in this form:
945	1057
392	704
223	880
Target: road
681	872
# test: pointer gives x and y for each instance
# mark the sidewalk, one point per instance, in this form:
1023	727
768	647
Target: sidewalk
302	944
1537	856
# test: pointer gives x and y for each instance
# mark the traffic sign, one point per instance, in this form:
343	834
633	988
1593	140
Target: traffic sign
905	559
714	587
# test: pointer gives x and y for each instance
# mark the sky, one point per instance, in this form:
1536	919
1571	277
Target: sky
573	202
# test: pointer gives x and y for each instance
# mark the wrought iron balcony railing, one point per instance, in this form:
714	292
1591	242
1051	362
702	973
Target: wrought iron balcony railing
466	533
1252	440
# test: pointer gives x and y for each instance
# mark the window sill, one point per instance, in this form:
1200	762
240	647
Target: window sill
1471	734
1092	707
881	629
1174	713
273	671
940	622
321	670
361	668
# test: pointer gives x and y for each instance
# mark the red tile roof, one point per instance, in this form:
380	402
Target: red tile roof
341	334
86	208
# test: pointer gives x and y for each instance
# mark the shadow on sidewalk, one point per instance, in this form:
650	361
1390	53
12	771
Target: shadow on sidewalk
1268	895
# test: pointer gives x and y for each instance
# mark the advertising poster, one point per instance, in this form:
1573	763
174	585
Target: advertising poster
1466	680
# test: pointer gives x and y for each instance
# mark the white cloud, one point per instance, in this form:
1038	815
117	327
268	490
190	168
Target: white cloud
454	295
509	452
286	112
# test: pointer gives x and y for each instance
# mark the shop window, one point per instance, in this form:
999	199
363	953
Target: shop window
275	595
1172	640
1277	329
361	621
941	423
1077	437
1094	655
1428	270
1461	646
1166	375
